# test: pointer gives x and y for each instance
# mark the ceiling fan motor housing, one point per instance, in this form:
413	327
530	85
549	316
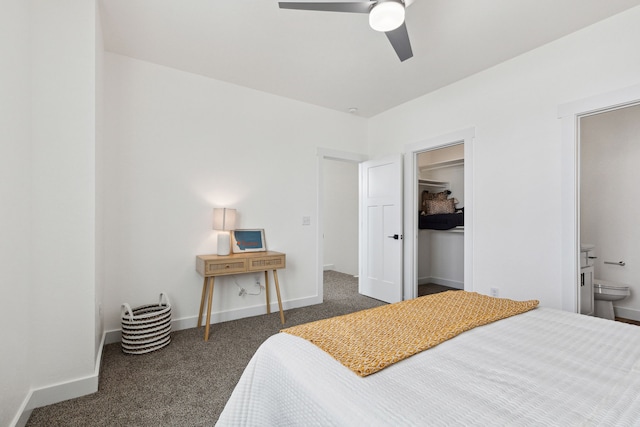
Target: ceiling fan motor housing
386	15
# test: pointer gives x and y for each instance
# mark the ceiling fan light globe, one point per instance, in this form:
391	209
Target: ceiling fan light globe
386	16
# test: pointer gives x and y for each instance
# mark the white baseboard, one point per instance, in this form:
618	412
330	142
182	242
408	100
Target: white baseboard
627	313
59	392
328	267
440	281
23	414
423	280
86	385
22	421
115	335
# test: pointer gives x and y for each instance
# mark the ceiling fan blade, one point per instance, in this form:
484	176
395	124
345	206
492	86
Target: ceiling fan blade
356	7
399	39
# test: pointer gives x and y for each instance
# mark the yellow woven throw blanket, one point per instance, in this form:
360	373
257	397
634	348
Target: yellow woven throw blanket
370	340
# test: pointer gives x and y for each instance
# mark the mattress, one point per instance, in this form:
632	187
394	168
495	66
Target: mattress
540	368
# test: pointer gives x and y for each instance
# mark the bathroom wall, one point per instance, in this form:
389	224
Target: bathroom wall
610	206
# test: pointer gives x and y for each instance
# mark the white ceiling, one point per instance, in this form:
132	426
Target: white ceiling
333	59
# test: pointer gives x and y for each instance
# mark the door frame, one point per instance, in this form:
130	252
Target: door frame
570	115
323	154
411	206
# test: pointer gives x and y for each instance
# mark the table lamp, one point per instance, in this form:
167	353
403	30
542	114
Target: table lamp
224	220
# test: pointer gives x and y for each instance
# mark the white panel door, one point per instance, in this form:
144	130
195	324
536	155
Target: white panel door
381	229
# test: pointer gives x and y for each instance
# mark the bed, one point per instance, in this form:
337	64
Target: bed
542	367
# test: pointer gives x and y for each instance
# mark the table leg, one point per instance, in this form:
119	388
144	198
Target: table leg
208	319
266	288
204	292
275	278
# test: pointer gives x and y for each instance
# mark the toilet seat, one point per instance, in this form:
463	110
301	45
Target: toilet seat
606	284
606	290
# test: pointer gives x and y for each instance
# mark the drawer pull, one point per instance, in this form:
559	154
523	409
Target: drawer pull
227	266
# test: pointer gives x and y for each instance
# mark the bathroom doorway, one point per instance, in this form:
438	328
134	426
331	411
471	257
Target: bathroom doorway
609	199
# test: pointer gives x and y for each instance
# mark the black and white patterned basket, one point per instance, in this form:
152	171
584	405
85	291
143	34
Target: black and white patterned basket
146	328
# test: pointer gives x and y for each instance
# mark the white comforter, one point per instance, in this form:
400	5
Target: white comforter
544	367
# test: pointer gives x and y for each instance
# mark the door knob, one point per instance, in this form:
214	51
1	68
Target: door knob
395	236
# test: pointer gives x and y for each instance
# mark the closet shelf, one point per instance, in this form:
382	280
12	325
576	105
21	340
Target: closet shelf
433	183
445	164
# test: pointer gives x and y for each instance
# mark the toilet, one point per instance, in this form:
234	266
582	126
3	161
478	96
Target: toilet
604	293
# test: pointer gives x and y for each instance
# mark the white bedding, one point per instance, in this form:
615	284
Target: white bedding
544	367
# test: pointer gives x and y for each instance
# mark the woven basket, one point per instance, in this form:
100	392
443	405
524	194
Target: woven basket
146	328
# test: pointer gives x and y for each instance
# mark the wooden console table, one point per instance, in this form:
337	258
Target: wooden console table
211	266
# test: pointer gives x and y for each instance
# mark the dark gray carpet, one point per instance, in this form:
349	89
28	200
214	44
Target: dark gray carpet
188	382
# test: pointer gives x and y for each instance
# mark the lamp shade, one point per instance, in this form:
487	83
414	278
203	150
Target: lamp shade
224	219
386	15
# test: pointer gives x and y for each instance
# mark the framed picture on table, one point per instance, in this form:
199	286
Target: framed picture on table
248	241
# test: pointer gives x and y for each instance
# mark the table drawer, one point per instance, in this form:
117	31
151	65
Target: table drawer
218	268
267	263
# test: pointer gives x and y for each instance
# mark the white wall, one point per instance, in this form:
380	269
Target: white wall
15	190
62	259
179	144
441	258
610	208
517	149
47	116
340	212
99	184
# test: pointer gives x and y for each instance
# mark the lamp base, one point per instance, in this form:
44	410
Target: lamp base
224	243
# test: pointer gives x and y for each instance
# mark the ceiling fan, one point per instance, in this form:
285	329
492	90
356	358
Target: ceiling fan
384	15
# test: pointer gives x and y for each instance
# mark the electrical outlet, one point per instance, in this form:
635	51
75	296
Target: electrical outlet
306	220
495	292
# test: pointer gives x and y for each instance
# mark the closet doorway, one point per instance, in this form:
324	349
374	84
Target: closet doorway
441	219
443	257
